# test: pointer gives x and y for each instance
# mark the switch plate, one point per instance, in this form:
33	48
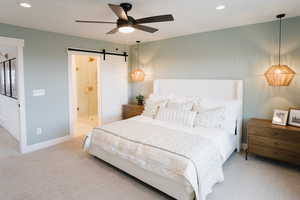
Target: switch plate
39	131
38	92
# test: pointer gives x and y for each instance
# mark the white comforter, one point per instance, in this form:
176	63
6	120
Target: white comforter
165	149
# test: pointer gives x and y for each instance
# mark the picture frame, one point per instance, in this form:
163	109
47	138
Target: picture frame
294	117
280	117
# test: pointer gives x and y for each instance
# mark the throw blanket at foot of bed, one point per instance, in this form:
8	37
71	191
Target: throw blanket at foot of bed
164	151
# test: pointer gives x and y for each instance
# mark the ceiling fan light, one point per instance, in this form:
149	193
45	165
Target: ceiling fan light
126	29
25	4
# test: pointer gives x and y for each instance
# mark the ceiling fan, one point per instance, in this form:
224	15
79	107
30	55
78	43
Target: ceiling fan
127	24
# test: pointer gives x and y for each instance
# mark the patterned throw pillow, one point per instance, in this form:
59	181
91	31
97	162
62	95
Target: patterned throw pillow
231	111
151	107
179	117
211	118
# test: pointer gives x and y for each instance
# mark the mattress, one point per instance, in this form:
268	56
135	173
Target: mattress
140	141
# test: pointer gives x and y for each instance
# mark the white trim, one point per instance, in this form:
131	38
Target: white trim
19	44
72	95
46	144
99	91
11	42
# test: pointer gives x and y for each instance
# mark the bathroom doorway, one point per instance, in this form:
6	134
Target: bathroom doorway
86	93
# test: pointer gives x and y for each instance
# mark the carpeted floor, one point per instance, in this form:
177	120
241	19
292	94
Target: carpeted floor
8	144
64	172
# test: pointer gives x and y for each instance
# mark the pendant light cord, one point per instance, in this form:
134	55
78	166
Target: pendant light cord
138	54
279	41
138	47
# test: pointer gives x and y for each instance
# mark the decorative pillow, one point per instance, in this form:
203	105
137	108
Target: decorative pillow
231	112
181	102
153	103
180	117
180	105
211	118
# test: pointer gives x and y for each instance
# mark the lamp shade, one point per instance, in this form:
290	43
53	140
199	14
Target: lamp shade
137	75
279	75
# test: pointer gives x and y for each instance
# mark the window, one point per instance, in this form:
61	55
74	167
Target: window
2	84
14	78
8	79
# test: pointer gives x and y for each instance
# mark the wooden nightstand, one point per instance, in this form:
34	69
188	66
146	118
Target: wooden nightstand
273	141
131	110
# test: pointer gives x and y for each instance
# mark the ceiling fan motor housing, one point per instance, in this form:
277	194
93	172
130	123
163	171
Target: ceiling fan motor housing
126	6
121	22
128	23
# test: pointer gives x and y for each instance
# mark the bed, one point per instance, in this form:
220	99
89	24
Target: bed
183	162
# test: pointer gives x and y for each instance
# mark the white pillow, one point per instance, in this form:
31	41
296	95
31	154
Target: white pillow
153	103
211	118
181	102
231	110
180	105
179	117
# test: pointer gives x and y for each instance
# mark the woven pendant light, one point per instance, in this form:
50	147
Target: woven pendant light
279	75
138	75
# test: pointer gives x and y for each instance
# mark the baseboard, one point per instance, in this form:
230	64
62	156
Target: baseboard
46	144
244	146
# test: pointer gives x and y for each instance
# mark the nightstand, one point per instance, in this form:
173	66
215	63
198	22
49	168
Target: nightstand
131	110
273	141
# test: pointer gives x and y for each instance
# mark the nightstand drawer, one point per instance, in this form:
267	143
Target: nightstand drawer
131	110
270	142
275	153
275	133
130	114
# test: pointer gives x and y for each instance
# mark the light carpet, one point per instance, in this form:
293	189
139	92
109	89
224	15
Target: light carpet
8	144
65	172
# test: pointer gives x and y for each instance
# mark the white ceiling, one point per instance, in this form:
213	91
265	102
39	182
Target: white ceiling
191	16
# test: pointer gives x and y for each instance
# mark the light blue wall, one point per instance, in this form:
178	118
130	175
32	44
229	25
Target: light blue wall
237	53
46	66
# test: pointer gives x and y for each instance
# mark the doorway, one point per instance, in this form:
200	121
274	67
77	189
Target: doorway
112	91
85	93
12	96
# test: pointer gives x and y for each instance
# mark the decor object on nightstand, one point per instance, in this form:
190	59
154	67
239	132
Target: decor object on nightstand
273	141
140	99
294	118
280	117
279	75
131	110
138	75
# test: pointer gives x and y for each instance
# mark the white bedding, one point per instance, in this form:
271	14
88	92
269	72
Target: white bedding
197	154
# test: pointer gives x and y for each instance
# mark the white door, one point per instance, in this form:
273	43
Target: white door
114	87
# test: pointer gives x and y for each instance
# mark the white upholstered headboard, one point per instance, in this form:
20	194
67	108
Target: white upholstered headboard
220	89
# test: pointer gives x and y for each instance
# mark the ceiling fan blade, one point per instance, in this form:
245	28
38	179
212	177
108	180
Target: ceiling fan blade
145	28
113	31
119	11
159	18
96	22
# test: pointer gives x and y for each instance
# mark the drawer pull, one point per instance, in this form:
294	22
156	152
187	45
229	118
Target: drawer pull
276	143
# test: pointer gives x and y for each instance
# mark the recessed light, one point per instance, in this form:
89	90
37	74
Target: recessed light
220	7
25	4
